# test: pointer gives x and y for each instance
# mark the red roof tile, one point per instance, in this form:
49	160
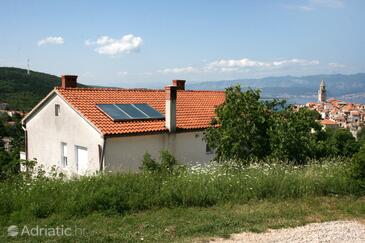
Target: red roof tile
328	122
194	109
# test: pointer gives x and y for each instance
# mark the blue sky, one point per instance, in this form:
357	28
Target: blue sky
141	43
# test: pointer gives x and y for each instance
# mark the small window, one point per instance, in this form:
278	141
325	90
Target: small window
64	154
208	149
57	109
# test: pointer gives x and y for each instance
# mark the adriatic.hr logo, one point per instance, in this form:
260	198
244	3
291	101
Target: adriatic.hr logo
61	230
13	230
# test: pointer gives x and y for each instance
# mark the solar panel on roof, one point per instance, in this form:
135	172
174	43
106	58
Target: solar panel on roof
149	111
132	111
124	112
113	112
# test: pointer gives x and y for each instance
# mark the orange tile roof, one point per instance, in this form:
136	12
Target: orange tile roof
334	111
194	109
310	104
348	107
328	122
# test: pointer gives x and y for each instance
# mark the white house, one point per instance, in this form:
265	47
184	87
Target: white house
85	130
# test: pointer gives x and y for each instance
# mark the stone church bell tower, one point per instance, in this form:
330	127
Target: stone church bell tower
322	92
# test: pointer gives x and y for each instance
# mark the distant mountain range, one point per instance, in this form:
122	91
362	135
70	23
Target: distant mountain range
298	89
23	92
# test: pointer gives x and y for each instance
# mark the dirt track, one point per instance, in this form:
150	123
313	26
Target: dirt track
335	231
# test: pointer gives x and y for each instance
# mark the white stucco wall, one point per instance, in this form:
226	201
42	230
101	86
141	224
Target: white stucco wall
46	132
126	153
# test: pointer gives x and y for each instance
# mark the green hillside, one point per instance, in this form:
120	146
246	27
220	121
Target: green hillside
22	91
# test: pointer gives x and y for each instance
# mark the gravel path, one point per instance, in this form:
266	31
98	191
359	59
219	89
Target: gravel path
335	231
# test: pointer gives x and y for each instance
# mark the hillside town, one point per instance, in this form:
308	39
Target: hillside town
338	114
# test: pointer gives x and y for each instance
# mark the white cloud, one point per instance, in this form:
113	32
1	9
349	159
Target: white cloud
233	65
109	46
188	69
336	65
295	61
310	5
240	65
55	40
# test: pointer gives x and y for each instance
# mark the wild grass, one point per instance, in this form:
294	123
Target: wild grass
194	224
197	186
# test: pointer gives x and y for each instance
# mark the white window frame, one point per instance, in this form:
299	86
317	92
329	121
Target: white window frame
64	156
77	159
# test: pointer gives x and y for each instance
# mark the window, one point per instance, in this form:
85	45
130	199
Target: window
208	149
64	154
82	159
57	109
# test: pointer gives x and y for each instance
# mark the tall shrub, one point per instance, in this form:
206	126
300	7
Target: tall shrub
358	166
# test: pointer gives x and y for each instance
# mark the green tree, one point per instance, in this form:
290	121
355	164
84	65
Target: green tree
294	135
9	166
341	142
240	128
358	166
17	134
3	130
247	127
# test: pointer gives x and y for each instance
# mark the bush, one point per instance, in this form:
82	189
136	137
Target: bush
341	142
168	162
149	164
358	166
9	165
166	165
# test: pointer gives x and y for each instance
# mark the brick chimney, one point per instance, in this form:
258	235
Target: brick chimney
180	84
170	108
68	81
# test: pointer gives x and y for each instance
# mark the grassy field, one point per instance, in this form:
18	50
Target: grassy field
196	223
189	205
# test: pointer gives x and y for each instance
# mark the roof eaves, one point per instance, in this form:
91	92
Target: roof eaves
162	131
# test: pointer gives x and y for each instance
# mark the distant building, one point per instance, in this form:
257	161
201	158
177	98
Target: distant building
326	123
322	92
338	114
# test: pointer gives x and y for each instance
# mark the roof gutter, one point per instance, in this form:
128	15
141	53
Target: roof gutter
25	140
101	166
